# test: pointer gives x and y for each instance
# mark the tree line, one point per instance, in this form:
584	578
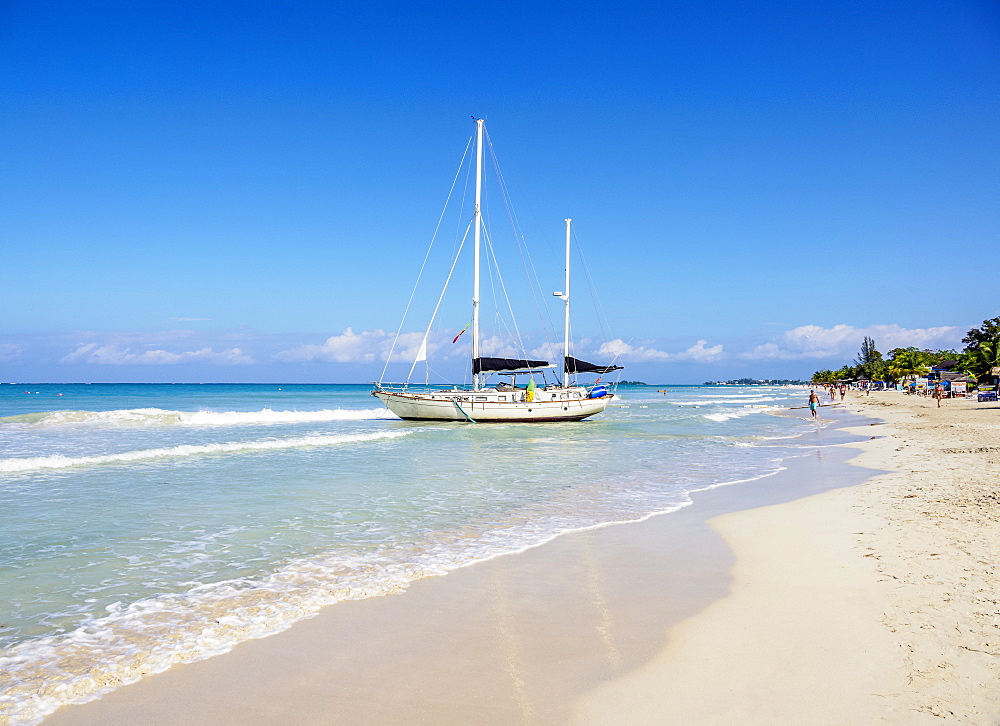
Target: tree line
979	357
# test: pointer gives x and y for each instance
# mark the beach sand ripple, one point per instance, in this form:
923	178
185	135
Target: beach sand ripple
938	549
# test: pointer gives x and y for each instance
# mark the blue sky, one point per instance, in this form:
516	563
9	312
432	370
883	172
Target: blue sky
244	191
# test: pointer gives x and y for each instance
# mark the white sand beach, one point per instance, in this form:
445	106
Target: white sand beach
873	604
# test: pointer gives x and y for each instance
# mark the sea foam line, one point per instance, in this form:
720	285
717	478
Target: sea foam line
725	402
59	461
162	417
732	414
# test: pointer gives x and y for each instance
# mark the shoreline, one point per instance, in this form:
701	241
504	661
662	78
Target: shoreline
524	634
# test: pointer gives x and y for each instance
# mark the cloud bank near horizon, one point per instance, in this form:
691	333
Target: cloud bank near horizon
844	341
117	355
810	344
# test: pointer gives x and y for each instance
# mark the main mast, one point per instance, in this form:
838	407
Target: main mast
566	298
475	277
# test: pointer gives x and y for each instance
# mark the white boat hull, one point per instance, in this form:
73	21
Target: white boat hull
463	407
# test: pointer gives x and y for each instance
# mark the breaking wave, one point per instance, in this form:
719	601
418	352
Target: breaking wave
59	461
161	417
731	414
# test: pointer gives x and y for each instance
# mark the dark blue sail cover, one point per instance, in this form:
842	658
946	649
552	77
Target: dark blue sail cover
482	365
574	365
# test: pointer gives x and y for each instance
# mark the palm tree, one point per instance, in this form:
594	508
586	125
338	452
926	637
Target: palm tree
824	376
907	363
980	360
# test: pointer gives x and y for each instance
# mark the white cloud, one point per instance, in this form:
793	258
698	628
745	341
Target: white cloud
348	347
498	347
844	341
618	348
225	348
765	351
547	351
700	353
366	346
118	355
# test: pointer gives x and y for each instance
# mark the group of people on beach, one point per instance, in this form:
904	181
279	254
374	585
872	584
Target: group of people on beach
814	403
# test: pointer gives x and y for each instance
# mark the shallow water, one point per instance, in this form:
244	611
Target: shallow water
145	525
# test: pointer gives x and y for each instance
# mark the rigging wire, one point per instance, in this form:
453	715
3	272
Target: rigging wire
602	320
465	197
592	288
423	264
527	262
454	263
496	267
499	321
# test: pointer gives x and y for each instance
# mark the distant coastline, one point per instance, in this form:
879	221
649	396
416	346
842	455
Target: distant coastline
758	382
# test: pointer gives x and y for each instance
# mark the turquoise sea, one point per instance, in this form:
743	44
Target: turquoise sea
145	525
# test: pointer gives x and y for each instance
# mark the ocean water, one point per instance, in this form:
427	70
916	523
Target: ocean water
145	525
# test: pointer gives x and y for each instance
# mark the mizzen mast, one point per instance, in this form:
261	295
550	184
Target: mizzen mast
566	298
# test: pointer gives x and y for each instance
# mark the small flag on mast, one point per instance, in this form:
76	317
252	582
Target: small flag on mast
460	334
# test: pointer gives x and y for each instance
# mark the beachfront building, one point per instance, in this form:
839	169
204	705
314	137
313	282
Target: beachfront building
955	382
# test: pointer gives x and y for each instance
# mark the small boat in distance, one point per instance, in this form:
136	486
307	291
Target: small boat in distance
506	401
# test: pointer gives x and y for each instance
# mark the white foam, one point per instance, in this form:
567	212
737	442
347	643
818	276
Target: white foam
724	402
162	417
267	416
58	461
731	414
737	396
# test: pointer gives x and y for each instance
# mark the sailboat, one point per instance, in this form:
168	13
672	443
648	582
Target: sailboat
505	401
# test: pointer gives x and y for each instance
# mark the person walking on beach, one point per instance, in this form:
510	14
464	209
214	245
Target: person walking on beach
833	392
938	394
843	390
813	403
